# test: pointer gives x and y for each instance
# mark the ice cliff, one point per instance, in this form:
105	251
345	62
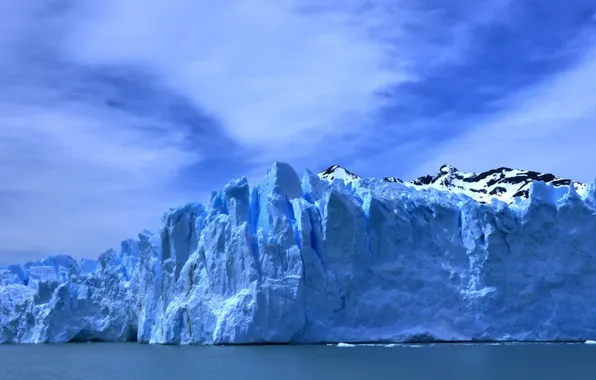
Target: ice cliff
328	260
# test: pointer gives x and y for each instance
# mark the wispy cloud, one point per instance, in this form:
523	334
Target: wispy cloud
79	177
93	157
549	126
79	174
280	76
521	84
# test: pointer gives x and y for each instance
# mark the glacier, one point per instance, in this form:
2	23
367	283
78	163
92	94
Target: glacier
293	260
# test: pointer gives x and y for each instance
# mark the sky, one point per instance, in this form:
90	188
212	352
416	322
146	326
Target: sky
113	111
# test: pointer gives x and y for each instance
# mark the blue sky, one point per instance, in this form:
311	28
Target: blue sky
112	111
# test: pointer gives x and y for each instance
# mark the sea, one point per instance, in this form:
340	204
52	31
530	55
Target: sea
111	361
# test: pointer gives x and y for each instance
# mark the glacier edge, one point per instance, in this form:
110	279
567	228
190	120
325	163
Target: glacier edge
293	260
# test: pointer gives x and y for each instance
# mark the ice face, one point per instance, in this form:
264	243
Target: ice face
315	260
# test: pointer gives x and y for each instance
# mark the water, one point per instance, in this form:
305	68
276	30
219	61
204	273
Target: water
443	361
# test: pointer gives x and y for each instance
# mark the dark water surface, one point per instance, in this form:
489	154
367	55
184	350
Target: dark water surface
441	361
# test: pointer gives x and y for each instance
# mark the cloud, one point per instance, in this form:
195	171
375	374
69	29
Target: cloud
78	174
549	127
93	142
283	78
80	179
457	112
279	75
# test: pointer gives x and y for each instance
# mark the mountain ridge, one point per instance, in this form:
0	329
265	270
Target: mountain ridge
503	183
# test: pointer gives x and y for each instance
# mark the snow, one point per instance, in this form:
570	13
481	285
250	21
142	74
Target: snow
337	172
502	184
318	260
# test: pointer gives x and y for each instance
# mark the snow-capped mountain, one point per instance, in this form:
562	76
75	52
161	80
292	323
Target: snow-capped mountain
338	172
505	184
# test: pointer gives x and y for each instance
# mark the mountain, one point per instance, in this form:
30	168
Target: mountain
348	259
504	184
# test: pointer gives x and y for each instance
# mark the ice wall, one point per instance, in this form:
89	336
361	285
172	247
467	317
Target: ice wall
306	261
